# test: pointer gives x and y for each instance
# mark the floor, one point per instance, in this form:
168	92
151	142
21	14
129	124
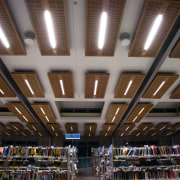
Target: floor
86	174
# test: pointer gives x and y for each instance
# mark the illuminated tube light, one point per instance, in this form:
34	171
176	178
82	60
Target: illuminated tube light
25	118
29	86
177	128
62	87
106	134
135	119
153	134
18	110
71	128
138	134
153	31
145	128
113	118
52	128
141	111
56	134
161	85
42	110
102	30
168	133
129	85
40	134
117	111
34	128
8	134
95	87
1	91
89	134
162	128
50	28
90	128
122	134
109	128
16	128
23	134
47	118
127	128
4	39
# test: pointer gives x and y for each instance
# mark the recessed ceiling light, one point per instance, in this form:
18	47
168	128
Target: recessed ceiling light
109	128
40	134
161	85
15	127
122	134
29	86
71	128
25	118
95	87
138	134
153	134
129	85
23	134
162	128
18	110
47	118
1	91
117	111
135	119
90	128
89	134
168	133
4	38
62	87
52	128
153	31
56	134
141	111
113	118
145	128
8	134
106	134
42	110
127	128
34	128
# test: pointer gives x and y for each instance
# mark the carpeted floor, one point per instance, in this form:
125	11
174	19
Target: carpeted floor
86	174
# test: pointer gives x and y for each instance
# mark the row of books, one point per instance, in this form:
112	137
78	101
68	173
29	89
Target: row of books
147	151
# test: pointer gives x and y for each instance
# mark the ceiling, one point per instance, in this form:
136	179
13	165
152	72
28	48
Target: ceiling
78	67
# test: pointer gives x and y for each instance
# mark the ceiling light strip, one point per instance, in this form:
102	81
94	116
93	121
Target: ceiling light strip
95	87
52	128
135	119
161	85
1	91
25	118
47	118
127	89
113	118
141	111
117	111
18	110
4	38
42	110
29	86
62	87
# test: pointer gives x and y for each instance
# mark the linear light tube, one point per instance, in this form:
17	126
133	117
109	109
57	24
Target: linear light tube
62	87
153	31
25	118
138	134
90	128
161	85
71	128
42	110
34	128
40	134
8	134
106	134
47	118
50	28
102	30
134	119
109	128
129	85
141	111
89	134
52	128
1	91
177	128
18	110
16	128
113	118
29	86
122	134
23	134
4	38
145	128
162	128
95	87
127	128
117	111
153	134
56	134
168	133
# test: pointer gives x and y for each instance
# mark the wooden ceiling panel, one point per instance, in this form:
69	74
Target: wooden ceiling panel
175	53
162	127
9	29
57	9
159	86
44	111
144	127
71	128
170	11
137	133
15	126
35	129
8	132
128	85
176	127
152	133
54	129
19	110
93	80
28	83
139	112
90	129
108	129
25	132
176	93
168	133
5	90
94	9
62	84
116	111
125	129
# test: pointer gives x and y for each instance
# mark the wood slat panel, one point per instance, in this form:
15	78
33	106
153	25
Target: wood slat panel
152	8
90	132
169	79
114	115
67	80
114	9
9	28
24	116
125	129
137	133
175	53
90	79
44	111
33	80
35	129
144	127
4	88
74	128
54	129
124	81
57	8
176	93
139	112
15	126
108	129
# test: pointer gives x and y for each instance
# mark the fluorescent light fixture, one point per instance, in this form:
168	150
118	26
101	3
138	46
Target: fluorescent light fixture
135	119
141	111
50	28
89	134
34	128
1	91
16	128
153	31
113	118
138	134
117	111
95	87
4	39
162	128
25	118
29	86
102	30
106	134
127	128
52	128
47	118
18	110
177	128
62	87
168	133
129	85
90	128
161	85
122	134
145	128
40	134
153	134
8	134
71	128
56	134
23	134
42	110
109	128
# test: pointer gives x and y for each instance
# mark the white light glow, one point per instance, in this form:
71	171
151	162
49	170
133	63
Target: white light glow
161	85
71	128
4	39
122	134
109	128
90	128
102	30
153	134
129	85
138	134
29	86
42	110
113	118
62	87
135	119
34	128
177	128
127	128
141	111
23	134
168	133
162	128
52	128
95	87
47	118
106	134
16	128
145	128
153	31
117	111
8	134
56	134
18	110
89	134
1	91
40	134
25	118
50	28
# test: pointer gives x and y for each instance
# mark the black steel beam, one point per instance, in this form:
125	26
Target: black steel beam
153	70
4	72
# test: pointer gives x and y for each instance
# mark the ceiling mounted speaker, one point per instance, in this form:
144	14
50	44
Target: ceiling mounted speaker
29	38
125	39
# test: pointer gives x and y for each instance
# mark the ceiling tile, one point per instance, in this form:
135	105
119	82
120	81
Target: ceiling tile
176	93
15	126
175	53
144	127
152	8
28	83
108	129
125	129
54	129
71	128
159	86
128	85
35	129
9	29
57	9
94	9
90	129
96	84
62	84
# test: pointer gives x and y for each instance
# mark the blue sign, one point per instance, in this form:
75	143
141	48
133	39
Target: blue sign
72	136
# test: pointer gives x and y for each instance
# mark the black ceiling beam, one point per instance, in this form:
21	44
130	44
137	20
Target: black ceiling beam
4	72
153	70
